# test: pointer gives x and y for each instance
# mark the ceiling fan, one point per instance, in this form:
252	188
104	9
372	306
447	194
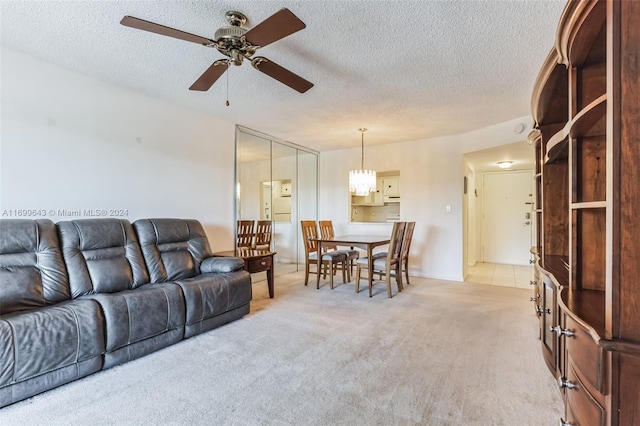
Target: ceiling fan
238	43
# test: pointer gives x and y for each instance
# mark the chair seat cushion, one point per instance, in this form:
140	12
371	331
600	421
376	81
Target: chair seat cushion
332	256
351	254
376	256
379	261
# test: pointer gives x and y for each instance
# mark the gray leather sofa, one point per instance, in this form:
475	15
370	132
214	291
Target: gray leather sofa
85	295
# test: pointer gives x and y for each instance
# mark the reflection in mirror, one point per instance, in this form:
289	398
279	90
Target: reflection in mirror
277	181
276	201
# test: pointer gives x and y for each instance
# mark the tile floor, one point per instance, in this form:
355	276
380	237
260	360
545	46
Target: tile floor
500	274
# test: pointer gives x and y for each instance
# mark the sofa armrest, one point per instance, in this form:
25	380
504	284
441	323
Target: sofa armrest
221	264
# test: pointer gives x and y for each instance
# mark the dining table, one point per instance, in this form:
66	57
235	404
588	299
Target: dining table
364	242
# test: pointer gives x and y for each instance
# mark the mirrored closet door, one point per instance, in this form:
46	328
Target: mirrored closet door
277	181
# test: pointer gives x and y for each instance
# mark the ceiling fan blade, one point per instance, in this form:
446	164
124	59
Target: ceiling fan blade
281	74
210	76
275	27
141	24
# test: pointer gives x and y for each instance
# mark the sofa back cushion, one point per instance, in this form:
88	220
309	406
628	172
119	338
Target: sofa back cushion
101	255
32	272
172	248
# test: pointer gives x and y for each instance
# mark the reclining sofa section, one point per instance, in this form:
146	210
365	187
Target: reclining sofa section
89	294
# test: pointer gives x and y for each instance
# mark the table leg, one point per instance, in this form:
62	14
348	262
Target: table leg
370	259
319	267
270	279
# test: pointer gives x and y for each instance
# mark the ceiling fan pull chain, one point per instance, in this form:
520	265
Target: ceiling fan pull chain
227	103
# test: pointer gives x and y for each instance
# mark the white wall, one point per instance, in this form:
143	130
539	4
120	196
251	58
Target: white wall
496	135
69	142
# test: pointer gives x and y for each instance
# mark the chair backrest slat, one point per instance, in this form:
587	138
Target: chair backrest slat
326	231
406	241
263	234
395	245
309	235
244	237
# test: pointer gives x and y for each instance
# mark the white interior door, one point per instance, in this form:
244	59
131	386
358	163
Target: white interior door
506	217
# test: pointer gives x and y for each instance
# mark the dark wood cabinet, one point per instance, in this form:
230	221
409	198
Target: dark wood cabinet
586	110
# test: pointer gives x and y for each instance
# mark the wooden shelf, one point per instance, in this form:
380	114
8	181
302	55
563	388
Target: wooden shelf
546	106
587	307
589	205
579	28
587	119
558	267
558	152
580	126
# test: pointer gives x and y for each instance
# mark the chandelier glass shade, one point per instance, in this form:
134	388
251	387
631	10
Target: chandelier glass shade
362	182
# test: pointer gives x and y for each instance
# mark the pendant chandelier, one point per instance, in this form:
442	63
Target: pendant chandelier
362	182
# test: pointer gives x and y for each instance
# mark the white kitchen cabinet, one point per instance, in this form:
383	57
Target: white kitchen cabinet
391	186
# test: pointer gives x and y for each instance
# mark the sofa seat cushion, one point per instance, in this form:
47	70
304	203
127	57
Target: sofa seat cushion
48	339
209	295
141	320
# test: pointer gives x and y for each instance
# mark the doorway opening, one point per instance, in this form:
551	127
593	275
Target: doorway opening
499	223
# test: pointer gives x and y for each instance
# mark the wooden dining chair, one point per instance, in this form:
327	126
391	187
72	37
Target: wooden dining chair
330	259
326	231
244	233
386	263
263	235
406	246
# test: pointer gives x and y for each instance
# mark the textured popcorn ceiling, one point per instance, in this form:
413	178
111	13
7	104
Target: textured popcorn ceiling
407	70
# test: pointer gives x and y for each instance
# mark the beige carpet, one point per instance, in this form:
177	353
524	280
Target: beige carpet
439	353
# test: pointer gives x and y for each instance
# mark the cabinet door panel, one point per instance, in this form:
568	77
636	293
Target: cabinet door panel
584	353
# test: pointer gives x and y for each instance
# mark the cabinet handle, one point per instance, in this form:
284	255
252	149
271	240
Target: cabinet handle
263	263
532	282
561	332
541	310
532	261
563	423
564	383
532	299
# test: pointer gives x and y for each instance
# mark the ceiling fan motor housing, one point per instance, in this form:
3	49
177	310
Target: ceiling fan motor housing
230	42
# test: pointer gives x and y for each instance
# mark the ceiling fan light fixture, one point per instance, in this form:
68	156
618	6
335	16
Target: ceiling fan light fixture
362	182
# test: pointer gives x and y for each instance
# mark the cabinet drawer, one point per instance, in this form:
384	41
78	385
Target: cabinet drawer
582	408
587	358
258	265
